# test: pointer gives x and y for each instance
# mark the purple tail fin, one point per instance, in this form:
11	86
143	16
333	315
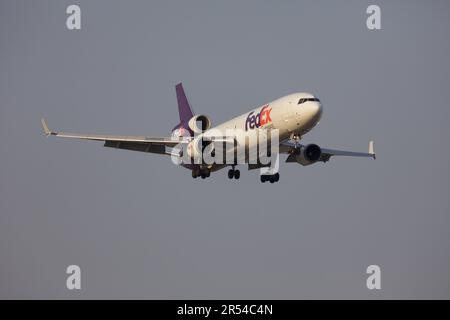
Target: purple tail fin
184	109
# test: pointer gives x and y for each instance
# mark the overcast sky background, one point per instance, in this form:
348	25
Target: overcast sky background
139	227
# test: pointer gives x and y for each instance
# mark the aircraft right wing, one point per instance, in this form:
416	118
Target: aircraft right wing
136	143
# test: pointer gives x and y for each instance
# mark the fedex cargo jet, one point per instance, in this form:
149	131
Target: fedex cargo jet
291	116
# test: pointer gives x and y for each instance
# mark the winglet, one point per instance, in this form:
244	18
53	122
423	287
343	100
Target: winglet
371	150
45	127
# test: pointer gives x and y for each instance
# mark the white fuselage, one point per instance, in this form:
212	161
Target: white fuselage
286	114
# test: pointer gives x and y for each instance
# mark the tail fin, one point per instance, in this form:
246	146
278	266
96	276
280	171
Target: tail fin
184	109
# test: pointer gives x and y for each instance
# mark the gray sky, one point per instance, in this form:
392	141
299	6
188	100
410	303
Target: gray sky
139	227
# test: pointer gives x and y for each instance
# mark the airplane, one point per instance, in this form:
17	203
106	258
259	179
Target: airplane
292	115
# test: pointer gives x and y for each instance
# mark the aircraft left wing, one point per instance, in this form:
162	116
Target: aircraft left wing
135	143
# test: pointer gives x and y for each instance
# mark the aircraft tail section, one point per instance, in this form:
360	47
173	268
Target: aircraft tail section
184	111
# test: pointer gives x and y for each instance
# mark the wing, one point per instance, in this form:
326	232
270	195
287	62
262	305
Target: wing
326	154
136	143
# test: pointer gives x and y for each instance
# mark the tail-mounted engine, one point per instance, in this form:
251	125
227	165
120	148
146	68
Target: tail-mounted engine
199	123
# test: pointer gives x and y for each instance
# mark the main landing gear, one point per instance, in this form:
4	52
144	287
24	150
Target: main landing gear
232	173
201	173
236	174
272	178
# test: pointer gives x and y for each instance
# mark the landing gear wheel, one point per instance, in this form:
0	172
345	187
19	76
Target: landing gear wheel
230	174
194	174
276	177
237	174
271	178
204	173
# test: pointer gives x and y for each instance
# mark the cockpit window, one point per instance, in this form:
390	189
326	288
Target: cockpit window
303	100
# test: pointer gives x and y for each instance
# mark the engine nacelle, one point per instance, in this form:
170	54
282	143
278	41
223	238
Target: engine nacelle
308	154
205	123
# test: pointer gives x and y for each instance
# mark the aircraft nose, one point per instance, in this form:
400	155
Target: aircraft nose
315	111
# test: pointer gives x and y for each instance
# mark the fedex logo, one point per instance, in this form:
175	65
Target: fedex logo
260	119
